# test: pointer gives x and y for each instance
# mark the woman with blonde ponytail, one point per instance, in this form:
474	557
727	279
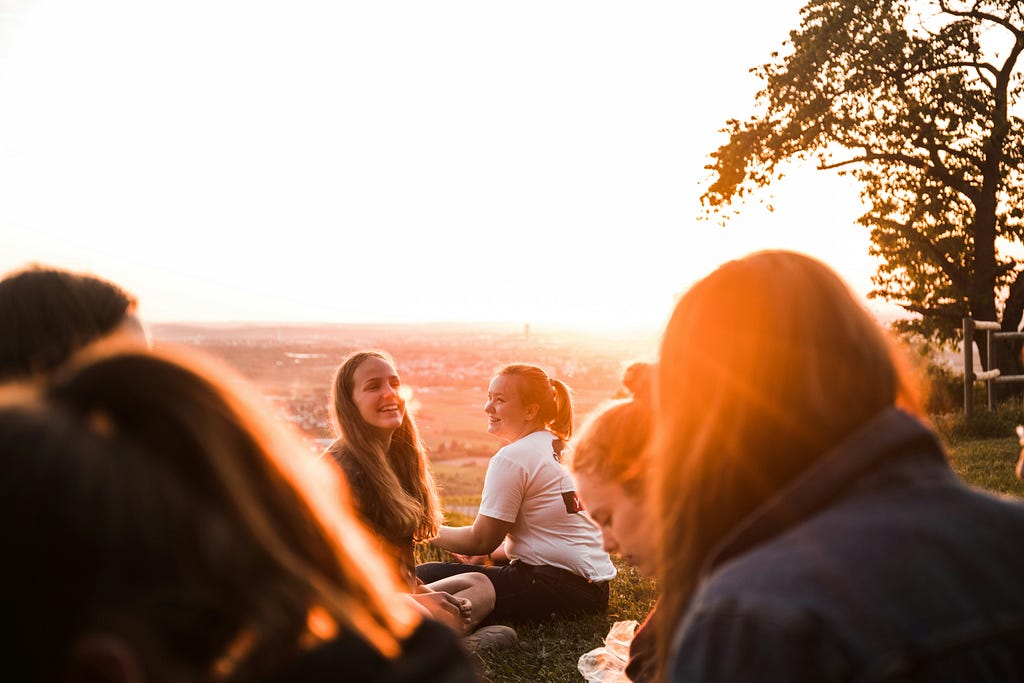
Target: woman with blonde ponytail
531	537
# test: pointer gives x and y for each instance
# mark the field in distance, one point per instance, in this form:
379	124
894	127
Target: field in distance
447	366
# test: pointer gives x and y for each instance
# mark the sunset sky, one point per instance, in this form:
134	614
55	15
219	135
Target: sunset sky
392	161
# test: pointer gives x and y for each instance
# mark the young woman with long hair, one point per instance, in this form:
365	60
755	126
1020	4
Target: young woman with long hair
162	526
386	466
810	525
529	511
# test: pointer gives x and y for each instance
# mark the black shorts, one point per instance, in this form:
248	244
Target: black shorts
529	593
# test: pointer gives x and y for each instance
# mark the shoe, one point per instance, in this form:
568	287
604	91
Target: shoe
490	638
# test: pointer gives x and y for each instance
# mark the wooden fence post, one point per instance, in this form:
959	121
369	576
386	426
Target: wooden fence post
968	368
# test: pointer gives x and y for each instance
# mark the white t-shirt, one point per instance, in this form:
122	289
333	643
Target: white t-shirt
527	486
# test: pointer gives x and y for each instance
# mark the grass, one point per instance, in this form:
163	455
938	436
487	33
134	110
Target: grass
550	651
988	463
984	450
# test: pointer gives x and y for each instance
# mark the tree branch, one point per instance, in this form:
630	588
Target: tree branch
985	16
952	271
954	313
956	65
945	175
876	156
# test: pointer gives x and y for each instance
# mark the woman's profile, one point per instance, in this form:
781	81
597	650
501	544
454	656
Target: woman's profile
531	537
611	477
811	527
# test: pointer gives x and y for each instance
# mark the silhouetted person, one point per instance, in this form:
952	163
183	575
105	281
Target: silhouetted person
161	526
48	314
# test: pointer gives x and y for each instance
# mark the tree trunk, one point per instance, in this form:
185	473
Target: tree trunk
981	299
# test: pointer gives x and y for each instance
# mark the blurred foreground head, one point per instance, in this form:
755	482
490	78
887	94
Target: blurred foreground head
765	364
47	314
161	527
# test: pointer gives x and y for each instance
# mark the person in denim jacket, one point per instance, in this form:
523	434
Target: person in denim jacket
812	529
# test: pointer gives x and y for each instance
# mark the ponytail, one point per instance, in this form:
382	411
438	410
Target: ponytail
561	424
552	396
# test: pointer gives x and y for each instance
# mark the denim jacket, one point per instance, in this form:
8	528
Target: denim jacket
877	564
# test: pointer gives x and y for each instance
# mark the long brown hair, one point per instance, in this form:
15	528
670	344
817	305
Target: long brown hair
188	510
765	364
396	493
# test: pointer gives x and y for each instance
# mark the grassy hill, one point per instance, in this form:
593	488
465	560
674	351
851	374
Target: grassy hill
448	368
550	652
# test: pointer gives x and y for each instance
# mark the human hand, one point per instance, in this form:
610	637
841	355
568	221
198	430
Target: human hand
447	608
472	559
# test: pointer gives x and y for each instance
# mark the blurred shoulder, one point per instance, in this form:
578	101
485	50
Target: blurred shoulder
431	653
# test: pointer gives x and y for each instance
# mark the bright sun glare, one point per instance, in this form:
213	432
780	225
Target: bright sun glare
398	162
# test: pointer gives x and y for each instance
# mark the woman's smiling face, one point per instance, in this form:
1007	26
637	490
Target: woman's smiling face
375	392
507	417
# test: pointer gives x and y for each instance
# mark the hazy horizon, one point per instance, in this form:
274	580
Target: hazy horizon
393	163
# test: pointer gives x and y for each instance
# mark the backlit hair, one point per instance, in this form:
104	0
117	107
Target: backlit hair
765	364
149	495
612	440
551	396
47	314
397	495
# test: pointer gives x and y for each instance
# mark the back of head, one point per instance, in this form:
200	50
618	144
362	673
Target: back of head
765	364
612	440
151	501
637	378
47	314
552	397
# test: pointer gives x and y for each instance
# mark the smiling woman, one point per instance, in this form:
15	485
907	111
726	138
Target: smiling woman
380	452
378	447
548	552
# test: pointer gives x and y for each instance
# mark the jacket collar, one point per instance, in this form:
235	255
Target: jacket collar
885	436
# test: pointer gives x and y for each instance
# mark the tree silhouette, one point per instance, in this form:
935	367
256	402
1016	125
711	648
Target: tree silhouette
915	99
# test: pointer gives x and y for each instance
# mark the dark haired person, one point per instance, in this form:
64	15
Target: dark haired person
48	314
161	526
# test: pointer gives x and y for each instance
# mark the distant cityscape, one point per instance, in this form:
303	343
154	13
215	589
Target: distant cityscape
447	367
